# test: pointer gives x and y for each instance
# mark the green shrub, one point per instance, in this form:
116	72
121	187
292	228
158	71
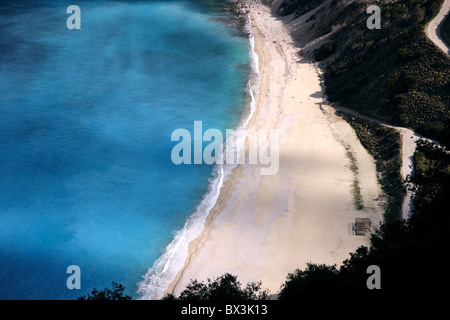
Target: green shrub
326	50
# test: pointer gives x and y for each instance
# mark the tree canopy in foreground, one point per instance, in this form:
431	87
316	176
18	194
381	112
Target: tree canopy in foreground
224	287
116	293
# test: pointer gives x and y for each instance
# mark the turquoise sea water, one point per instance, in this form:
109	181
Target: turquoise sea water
86	118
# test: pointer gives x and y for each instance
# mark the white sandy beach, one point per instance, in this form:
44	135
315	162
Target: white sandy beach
264	227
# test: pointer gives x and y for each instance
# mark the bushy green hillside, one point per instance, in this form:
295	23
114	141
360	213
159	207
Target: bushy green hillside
298	7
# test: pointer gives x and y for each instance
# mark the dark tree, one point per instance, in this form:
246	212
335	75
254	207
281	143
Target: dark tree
225	287
115	293
315	280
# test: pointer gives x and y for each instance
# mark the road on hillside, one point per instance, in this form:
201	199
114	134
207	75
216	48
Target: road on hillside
433	30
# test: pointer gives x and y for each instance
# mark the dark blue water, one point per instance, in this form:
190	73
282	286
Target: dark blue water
86	118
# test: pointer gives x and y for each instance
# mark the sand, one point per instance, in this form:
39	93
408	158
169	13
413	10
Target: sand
266	226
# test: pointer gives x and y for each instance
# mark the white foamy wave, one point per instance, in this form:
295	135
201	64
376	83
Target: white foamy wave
255	78
158	278
240	134
161	274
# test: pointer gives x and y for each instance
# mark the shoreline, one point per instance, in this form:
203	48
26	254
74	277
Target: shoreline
157	277
262	228
229	180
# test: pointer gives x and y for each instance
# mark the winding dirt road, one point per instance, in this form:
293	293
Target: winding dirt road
433	30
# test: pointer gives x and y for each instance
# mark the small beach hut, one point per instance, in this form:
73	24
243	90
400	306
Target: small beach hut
362	225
